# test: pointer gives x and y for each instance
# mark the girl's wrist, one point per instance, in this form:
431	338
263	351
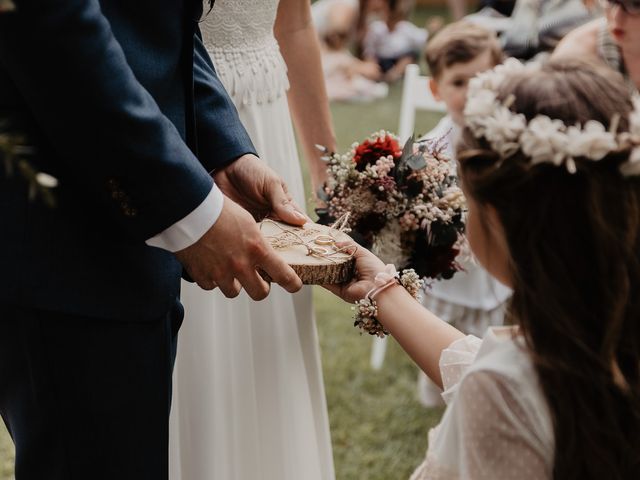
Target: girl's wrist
366	310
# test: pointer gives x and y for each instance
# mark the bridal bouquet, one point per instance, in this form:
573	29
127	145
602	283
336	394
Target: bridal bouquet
401	203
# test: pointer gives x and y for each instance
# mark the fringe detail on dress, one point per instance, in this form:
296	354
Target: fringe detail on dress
252	75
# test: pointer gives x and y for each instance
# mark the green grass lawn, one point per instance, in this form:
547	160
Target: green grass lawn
378	428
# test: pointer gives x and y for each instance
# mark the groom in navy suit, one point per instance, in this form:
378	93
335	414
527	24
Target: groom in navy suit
122	105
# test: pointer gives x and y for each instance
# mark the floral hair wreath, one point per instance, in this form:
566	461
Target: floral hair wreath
542	139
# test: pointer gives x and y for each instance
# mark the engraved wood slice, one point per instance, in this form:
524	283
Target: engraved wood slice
327	267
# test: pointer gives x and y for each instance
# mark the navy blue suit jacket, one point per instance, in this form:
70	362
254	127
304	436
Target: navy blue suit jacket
123	106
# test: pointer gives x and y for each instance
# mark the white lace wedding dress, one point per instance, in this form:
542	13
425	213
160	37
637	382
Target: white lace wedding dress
249	399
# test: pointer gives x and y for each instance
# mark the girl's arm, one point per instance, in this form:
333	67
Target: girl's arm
419	332
307	96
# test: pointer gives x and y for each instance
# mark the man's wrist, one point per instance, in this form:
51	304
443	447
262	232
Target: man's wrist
191	228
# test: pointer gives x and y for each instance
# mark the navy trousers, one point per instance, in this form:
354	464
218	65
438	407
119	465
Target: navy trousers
85	398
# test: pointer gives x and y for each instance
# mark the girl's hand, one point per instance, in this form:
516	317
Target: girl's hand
367	267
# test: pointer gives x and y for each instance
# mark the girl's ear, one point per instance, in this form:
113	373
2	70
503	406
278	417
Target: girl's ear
433	86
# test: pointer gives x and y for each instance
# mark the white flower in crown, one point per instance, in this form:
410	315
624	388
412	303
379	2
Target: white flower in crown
489	80
632	166
503	129
544	140
634	120
592	141
492	79
479	107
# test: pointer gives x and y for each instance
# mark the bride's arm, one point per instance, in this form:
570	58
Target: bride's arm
307	96
419	332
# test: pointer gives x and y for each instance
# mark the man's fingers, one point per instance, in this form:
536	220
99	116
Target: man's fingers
281	273
283	207
207	284
230	287
254	285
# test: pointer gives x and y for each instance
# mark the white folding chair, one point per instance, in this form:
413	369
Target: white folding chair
416	95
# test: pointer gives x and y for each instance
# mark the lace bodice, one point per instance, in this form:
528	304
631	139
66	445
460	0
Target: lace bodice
238	34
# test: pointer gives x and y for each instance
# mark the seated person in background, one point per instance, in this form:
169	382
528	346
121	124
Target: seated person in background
323	13
505	7
395	42
472	300
538	25
614	40
347	78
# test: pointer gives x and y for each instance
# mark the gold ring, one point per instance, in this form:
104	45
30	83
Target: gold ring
324	240
320	250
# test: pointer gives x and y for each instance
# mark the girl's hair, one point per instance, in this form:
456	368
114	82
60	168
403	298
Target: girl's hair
574	248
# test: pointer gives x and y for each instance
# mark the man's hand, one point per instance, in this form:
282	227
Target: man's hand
230	255
256	187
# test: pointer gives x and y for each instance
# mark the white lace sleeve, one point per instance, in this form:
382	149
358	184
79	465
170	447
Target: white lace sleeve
497	424
454	361
497	439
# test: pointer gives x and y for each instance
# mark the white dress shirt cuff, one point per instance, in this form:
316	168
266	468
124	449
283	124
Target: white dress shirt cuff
191	228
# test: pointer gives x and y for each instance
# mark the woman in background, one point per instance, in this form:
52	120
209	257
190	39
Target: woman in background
614	40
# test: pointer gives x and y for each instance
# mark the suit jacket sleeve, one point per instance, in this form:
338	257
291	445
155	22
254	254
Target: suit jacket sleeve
102	124
221	138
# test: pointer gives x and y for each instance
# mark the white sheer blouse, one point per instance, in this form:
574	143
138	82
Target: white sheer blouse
497	423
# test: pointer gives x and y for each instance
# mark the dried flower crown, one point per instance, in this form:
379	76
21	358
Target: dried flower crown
543	139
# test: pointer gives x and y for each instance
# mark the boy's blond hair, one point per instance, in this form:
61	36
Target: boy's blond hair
460	42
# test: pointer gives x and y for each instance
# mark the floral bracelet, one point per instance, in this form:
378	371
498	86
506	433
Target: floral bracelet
366	310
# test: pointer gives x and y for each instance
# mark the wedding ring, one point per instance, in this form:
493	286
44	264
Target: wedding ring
324	240
319	250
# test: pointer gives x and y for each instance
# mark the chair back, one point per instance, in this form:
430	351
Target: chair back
416	95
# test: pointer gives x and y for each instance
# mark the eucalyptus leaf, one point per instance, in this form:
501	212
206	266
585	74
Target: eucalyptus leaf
407	150
400	172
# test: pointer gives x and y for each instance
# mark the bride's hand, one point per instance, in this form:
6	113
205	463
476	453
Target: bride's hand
367	267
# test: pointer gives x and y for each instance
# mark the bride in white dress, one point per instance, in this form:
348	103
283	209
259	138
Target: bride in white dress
249	399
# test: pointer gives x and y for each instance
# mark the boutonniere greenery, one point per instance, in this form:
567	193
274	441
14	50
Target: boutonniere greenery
14	157
7	6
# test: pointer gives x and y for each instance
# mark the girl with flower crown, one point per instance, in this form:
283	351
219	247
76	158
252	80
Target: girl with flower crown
549	161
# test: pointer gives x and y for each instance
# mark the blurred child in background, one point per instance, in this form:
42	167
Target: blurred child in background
347	78
394	42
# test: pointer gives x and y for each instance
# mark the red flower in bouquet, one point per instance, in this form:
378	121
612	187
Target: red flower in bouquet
371	150
402	203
